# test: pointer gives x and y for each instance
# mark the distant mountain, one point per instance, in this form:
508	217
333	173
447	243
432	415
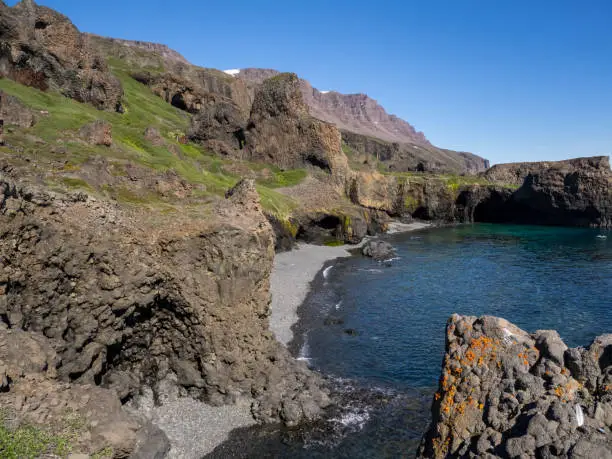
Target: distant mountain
357	113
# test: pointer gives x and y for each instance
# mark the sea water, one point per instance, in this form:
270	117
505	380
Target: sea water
377	329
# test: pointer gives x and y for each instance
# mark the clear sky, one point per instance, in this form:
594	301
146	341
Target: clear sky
511	80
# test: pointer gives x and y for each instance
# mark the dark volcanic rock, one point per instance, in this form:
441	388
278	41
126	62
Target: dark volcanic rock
379	250
506	393
130	298
576	192
43	49
32	393
281	130
220	123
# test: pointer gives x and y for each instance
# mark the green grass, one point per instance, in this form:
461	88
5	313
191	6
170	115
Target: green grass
29	442
143	109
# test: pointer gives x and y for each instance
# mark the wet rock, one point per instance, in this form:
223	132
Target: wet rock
97	133
379	250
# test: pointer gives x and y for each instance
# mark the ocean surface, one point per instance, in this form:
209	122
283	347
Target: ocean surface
377	329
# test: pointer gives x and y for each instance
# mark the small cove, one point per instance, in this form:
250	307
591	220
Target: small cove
380	326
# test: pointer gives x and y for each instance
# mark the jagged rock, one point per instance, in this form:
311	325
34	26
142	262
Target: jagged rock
12	111
369	129
97	133
220	125
507	393
43	49
281	130
379	250
37	397
152	296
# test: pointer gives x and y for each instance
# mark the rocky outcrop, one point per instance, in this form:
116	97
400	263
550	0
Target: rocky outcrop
163	51
576	192
411	156
281	130
133	298
90	419
351	112
43	49
221	127
379	250
12	111
370	130
99	132
507	393
516	173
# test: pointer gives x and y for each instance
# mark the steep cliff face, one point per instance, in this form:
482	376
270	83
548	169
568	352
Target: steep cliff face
411	156
507	393
282	131
516	173
42	48
132	298
576	192
369	129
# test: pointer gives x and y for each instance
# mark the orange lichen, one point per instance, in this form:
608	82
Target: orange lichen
437	396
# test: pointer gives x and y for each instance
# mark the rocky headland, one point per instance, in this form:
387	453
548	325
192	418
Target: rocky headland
142	200
504	392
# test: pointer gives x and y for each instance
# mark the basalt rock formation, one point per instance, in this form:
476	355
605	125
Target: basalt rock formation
576	192
91	417
42	48
507	393
282	131
413	156
130	298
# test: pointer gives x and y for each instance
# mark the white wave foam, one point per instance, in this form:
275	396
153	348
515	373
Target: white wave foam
355	419
326	271
339	304
388	260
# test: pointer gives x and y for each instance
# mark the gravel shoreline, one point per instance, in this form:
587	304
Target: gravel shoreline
293	273
195	428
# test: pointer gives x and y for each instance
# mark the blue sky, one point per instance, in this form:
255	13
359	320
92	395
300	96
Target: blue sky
511	80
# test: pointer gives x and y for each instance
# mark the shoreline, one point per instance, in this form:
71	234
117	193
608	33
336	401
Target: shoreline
195	429
295	271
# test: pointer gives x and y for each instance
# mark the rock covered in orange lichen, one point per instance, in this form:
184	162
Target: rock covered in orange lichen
506	393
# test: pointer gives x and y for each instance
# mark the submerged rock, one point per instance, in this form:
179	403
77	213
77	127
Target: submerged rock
379	250
507	393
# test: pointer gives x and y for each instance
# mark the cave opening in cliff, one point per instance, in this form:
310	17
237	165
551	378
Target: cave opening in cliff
316	161
178	101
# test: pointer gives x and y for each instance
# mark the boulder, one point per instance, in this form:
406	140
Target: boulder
97	133
379	250
153	136
13	112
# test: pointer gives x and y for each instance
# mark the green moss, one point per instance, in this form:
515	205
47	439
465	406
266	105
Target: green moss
282	179
411	204
334	243
29	442
75	183
290	227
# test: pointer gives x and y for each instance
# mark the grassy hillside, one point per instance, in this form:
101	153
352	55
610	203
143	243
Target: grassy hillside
58	130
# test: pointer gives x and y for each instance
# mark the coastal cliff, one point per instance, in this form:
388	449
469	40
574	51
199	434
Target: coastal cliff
506	393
